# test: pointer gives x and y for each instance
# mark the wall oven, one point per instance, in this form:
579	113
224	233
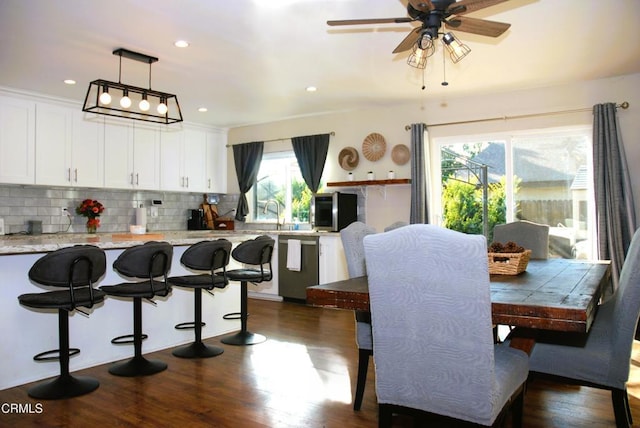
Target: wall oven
334	211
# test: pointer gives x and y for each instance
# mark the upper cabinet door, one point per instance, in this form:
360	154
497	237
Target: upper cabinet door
216	162
69	147
183	157
171	165
118	155
87	150
53	145
146	157
17	141
195	160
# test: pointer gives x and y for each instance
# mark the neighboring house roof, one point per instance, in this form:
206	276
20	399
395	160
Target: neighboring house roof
548	160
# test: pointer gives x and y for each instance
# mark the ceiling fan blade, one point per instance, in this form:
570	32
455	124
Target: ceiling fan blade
463	7
422	5
482	27
370	21
409	41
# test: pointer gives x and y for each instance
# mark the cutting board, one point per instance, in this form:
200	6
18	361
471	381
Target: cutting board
134	237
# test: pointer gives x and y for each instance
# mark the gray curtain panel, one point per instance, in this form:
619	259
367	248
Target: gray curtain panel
419	209
615	214
247	158
311	153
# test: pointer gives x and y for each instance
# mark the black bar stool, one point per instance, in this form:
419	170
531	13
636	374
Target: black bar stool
148	261
255	252
209	256
76	269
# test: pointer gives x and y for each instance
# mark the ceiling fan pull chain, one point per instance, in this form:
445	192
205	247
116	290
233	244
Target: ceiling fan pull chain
444	70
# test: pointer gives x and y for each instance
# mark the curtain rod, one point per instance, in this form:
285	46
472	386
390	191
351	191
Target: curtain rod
332	133
624	105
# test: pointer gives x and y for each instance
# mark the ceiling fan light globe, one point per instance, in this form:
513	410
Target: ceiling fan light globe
418	58
457	50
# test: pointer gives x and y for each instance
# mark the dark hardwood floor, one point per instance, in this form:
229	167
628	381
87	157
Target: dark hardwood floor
302	376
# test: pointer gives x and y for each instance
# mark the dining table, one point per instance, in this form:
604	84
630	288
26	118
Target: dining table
555	294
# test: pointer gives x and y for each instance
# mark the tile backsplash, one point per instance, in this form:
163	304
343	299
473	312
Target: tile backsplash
21	203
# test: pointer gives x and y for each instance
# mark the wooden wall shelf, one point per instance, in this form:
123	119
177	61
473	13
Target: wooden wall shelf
369	182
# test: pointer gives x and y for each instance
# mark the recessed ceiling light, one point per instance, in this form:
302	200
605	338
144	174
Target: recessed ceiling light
203	109
181	44
69	81
311	89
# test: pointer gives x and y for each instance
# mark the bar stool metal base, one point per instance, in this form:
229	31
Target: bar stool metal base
137	366
64	386
242	338
197	350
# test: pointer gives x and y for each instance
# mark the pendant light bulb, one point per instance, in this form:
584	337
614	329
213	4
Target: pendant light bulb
162	107
144	104
125	101
105	98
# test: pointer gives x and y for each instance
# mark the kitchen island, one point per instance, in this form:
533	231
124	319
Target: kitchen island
27	332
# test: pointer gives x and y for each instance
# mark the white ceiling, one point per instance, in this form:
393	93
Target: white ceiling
250	60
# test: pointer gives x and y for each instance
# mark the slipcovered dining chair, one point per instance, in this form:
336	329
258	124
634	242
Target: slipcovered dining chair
604	360
352	237
532	236
208	258
432	338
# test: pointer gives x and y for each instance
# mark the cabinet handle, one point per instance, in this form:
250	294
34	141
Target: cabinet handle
69	174
181	181
187	186
137	178
76	174
209	183
132	178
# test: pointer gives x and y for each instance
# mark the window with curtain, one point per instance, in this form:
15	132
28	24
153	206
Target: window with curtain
279	179
544	176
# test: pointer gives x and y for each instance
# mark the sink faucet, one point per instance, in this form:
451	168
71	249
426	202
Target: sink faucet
277	211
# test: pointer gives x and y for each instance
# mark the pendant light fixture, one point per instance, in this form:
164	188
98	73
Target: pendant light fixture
133	102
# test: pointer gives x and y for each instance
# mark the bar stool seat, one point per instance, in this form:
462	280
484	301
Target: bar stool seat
256	252
147	262
206	255
76	269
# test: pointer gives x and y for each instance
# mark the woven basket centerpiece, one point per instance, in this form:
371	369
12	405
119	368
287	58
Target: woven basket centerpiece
507	259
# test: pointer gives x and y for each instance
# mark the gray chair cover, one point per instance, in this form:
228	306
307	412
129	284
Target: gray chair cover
432	332
532	236
352	237
604	359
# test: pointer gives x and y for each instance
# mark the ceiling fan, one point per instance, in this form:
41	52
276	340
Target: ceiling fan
432	13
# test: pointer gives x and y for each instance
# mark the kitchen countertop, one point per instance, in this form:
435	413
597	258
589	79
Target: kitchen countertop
28	244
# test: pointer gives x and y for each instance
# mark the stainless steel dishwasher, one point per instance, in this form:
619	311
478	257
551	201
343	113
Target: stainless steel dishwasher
292	284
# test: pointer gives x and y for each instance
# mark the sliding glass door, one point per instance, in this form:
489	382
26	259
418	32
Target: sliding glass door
543	176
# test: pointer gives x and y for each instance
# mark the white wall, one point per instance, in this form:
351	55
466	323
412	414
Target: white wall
352	127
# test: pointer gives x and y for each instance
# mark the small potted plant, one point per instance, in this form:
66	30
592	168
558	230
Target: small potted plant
91	209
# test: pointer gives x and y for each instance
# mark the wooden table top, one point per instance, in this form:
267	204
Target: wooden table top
554	294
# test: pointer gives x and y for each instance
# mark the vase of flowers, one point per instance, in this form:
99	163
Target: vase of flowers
91	209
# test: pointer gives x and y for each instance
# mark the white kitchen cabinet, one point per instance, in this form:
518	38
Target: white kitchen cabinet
69	147
216	173
183	160
332	264
132	156
17	140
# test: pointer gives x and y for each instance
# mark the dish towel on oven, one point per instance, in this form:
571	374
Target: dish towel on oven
294	254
